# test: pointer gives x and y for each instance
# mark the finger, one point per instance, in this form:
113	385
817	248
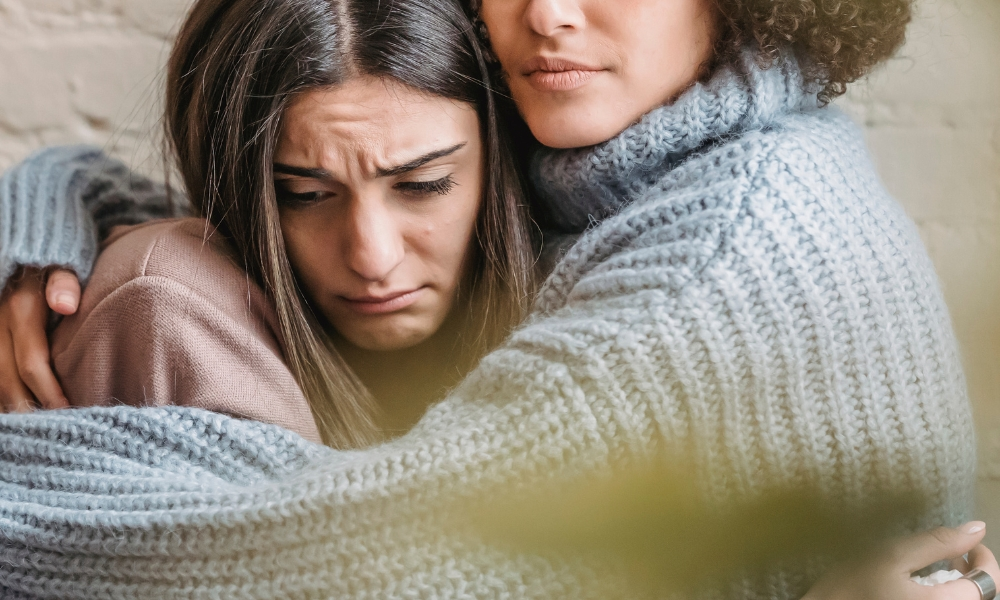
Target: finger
31	351
62	292
14	396
981	557
959	564
31	347
917	551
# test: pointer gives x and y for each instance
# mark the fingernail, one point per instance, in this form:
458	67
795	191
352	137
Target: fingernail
974	527
66	301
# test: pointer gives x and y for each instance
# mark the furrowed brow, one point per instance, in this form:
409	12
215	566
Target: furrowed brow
419	162
321	174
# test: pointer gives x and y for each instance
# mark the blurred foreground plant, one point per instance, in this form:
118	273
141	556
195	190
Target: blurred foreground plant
653	522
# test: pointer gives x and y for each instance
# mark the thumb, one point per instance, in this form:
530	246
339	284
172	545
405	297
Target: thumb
918	551
62	293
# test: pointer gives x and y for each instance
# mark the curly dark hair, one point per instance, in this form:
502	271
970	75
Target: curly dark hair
837	41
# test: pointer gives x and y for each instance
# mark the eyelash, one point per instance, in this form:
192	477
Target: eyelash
292	199
440	187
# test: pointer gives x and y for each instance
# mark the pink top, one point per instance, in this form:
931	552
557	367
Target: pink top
170	319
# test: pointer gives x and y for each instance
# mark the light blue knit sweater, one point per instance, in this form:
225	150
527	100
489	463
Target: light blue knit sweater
55	205
752	295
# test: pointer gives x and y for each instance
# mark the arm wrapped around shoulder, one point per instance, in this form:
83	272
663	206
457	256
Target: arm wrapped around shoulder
57	204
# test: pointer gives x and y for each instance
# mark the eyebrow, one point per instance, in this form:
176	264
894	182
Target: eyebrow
324	175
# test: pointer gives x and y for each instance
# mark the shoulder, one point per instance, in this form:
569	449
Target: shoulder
186	251
820	144
171	319
803	190
814	170
805	181
802	163
184	256
825	142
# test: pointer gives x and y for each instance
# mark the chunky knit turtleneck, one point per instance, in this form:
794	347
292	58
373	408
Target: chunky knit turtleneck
753	296
583	186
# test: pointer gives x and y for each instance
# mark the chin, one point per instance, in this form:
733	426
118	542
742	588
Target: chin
574	126
386	343
388	339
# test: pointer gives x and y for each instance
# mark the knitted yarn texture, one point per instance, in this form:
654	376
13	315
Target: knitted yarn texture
752	296
56	204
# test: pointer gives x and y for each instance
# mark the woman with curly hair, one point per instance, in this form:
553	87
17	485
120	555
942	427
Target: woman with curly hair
731	284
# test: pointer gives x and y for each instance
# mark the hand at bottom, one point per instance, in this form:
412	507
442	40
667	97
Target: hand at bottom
886	576
27	380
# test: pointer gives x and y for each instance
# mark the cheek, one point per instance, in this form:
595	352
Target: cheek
448	235
306	250
677	45
502	24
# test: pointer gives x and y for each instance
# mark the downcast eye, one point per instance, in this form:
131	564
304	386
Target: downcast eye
287	197
440	187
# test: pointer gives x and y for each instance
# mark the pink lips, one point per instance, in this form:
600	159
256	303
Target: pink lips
380	305
558	75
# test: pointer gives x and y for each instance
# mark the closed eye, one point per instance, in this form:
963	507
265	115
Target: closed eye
440	187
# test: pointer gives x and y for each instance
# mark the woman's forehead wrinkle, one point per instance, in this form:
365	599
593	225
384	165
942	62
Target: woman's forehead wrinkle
369	129
346	149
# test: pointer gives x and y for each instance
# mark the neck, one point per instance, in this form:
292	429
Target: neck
406	382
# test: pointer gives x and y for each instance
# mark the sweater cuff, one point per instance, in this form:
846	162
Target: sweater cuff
43	221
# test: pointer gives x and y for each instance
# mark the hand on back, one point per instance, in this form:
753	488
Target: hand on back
27	381
887	575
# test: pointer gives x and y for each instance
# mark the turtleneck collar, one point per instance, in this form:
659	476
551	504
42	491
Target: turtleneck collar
583	184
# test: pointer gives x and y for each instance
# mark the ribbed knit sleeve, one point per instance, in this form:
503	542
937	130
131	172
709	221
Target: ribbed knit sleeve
59	202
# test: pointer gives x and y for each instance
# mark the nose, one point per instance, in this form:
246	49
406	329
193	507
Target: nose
375	242
550	17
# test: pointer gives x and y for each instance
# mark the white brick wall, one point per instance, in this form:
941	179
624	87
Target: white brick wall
89	71
84	71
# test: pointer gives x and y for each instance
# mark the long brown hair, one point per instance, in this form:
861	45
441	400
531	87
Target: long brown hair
234	69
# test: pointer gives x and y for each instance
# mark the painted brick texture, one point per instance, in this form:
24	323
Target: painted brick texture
76	71
90	71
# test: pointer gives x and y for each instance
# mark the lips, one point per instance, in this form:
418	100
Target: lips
549	74
383	304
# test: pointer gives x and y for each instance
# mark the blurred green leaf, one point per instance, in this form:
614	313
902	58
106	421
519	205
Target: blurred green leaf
653	522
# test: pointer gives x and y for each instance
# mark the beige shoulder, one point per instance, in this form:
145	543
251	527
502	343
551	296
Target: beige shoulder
169	318
187	251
